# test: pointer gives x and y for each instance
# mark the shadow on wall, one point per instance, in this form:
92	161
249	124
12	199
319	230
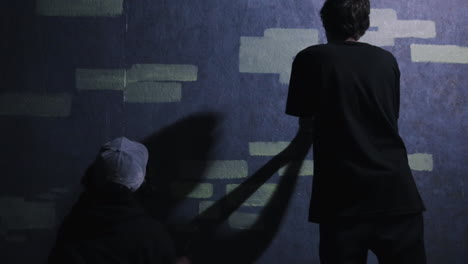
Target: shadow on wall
246	246
191	138
204	239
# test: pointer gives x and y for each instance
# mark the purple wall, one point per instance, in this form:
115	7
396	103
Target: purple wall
54	117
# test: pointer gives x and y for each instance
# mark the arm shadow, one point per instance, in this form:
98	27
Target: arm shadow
207	245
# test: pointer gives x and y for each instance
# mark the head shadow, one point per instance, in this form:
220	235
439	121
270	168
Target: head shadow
189	139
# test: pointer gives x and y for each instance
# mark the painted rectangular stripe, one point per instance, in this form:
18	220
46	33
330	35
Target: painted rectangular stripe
16	238
53	194
29	104
153	92
162	72
216	169
204	205
255	53
421	162
417	161
307	169
260	197
239	220
267	148
439	53
100	79
76	8
17	214
192	190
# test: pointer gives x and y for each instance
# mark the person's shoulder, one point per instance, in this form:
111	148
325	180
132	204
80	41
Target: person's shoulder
312	50
378	51
310	54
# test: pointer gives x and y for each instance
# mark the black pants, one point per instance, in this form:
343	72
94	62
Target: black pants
393	239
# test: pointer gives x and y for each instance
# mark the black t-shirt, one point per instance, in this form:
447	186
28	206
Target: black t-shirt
352	90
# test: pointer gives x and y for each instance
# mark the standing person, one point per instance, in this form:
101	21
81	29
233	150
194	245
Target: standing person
363	194
107	224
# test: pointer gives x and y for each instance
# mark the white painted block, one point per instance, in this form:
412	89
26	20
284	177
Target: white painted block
100	79
30	104
260	197
389	28
439	53
307	169
421	162
205	205
153	92
192	190
239	220
275	51
216	169
162	72
267	148
18	214
77	8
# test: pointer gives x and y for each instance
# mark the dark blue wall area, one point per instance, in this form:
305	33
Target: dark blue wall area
203	84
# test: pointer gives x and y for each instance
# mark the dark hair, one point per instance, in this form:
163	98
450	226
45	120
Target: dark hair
345	18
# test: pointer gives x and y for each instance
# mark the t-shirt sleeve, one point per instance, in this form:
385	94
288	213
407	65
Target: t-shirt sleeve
397	88
300	94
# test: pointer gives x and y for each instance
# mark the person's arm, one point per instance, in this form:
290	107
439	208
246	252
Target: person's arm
302	98
302	101
306	125
397	89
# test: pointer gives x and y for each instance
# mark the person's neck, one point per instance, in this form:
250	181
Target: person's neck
331	39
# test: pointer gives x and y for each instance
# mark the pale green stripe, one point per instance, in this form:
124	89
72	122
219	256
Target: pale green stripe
17	214
240	220
204	205
421	162
29	104
53	194
267	148
100	79
10	238
216	169
307	169
389	28
75	8
260	197
439	53
153	92
274	52
162	72
191	190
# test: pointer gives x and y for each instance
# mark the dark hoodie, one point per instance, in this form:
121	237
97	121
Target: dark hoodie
109	226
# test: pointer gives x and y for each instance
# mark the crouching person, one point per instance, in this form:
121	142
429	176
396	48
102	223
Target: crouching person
107	224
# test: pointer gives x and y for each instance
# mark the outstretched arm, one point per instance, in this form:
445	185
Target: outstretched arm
306	125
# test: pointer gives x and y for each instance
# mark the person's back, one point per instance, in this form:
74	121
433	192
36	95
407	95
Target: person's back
363	194
357	145
110	226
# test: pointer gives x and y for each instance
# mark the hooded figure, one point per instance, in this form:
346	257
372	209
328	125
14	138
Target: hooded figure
107	224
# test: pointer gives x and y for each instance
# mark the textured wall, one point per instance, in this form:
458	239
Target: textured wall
203	84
